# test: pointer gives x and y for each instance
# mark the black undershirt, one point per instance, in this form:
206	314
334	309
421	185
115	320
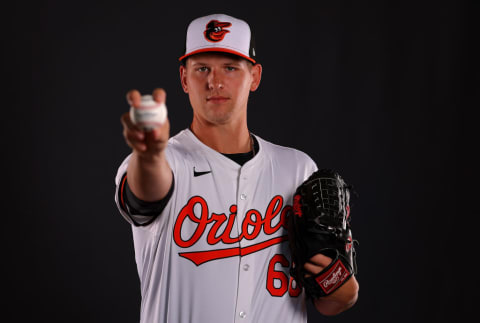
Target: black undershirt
140	207
242	158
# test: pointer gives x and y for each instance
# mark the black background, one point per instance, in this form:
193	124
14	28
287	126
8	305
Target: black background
384	92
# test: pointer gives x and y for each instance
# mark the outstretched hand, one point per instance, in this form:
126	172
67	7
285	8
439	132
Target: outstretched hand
149	144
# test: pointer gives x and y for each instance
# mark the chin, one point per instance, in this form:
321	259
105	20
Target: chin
219	115
220	119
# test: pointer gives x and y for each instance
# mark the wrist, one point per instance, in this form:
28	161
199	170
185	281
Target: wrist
149	158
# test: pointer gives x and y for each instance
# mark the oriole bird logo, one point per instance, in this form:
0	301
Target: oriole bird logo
214	31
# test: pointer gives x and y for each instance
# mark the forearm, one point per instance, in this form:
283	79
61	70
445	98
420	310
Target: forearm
340	300
149	178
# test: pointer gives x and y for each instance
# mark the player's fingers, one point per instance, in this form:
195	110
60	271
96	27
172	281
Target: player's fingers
159	95
133	142
157	139
159	136
134	98
312	269
126	121
137	145
320	260
131	138
162	133
316	264
130	129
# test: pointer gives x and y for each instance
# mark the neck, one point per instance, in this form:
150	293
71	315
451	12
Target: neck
226	139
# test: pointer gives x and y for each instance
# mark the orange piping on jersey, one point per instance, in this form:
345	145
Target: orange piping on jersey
121	191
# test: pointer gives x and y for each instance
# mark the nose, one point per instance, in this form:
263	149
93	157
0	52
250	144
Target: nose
214	80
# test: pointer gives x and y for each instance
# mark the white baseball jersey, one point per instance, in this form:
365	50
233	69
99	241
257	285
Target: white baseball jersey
218	252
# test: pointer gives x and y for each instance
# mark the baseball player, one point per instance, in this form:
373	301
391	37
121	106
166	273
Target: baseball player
208	206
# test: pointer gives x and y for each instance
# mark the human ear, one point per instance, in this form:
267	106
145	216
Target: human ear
256	76
183	78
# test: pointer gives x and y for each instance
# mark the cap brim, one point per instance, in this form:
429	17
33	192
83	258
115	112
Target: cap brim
215	49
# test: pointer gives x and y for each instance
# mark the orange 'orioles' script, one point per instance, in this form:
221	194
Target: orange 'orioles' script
252	225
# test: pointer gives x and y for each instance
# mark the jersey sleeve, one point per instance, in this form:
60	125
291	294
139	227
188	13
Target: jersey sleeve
135	211
119	182
141	212
305	166
310	165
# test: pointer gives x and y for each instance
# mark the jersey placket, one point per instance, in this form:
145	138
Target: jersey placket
246	278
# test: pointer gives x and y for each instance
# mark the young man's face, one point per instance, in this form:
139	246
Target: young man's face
218	86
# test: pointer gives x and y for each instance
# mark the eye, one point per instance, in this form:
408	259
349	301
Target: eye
202	69
231	68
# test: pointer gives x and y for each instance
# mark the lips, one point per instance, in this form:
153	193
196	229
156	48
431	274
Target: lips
217	99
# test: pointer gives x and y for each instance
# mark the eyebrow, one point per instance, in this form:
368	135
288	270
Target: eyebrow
232	62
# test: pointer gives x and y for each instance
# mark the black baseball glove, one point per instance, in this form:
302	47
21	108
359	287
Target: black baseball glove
320	223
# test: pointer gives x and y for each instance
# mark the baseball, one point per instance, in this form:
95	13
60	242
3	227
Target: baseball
150	114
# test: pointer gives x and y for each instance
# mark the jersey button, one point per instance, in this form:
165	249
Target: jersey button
243	196
243	314
246	267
